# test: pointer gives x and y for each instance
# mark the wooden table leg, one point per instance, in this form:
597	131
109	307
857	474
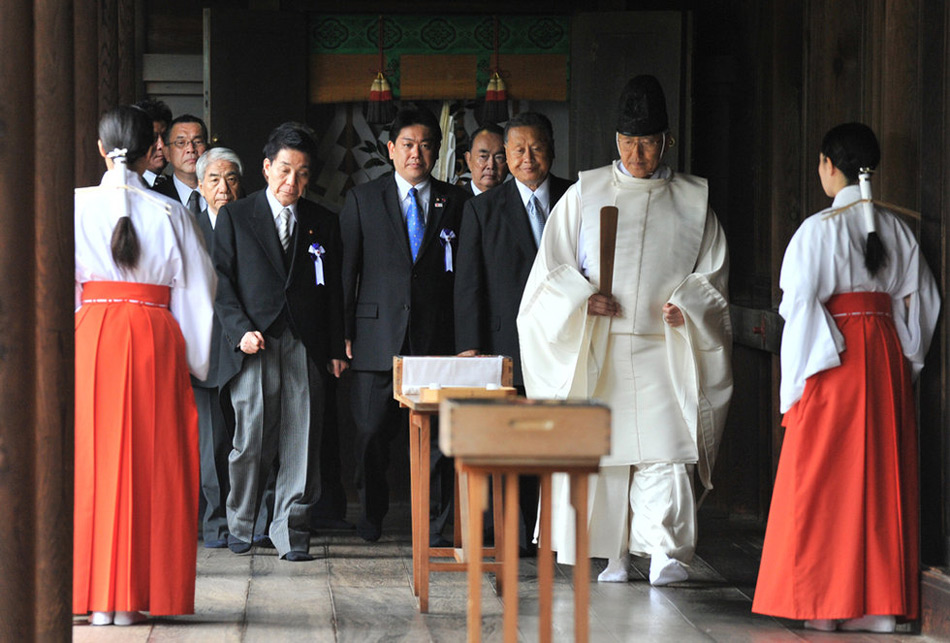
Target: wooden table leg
498	525
582	562
476	505
545	563
414	498
457	516
423	511
510	564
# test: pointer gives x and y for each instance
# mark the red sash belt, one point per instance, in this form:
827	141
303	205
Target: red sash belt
859	303
110	292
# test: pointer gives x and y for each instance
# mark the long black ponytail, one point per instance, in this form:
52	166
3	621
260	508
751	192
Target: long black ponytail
853	149
126	134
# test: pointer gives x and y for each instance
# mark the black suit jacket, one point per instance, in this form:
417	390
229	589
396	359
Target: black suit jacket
204	224
394	306
167	187
257	284
496	252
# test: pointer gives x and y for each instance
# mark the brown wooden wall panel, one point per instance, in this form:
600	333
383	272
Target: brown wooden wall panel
535	76
425	77
343	78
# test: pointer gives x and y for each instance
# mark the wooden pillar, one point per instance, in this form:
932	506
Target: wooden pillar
86	107
51	56
17	355
53	294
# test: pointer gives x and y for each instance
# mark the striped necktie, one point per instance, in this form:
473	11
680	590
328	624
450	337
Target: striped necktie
283	228
536	219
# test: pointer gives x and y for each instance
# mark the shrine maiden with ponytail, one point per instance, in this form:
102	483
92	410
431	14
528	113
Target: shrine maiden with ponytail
860	307
144	296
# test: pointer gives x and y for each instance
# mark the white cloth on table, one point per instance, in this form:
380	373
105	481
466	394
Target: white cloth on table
419	372
172	253
826	257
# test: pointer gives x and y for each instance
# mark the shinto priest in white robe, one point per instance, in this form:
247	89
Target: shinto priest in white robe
668	388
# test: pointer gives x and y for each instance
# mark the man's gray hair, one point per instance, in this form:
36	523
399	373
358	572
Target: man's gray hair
217	154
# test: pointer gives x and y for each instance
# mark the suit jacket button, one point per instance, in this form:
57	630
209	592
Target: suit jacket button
406	307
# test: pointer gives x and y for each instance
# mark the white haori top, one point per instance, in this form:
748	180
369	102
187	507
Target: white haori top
172	253
670	248
826	257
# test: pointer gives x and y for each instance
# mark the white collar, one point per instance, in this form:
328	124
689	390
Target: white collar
543	193
184	193
662	171
402	186
276	207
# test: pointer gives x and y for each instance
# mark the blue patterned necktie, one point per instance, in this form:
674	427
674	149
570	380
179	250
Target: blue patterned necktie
414	224
536	219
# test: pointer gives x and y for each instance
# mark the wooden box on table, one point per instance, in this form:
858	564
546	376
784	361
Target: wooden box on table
515	437
524	431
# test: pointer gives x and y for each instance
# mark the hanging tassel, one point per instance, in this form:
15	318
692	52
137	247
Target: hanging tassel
380	110
496	100
495	109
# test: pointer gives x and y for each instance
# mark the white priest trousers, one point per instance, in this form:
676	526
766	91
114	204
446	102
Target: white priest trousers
643	509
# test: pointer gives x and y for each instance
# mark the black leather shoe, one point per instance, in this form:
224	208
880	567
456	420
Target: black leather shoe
263	541
219	543
297	556
238	546
368	531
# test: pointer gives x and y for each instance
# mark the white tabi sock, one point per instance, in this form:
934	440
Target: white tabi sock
616	571
870	623
665	570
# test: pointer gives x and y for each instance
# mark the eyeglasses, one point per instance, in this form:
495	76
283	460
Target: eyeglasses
182	143
648	143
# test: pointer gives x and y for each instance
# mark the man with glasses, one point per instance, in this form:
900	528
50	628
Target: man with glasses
185	140
486	158
656	348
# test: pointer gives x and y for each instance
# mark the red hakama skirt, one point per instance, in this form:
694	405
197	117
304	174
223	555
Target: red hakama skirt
841	540
136	495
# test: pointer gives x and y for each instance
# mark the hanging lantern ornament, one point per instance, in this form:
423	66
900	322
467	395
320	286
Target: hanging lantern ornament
496	95
380	110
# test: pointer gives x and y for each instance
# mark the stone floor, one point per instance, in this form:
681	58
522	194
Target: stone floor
362	592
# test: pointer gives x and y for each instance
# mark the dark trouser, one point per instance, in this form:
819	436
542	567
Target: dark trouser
214	445
378	421
332	503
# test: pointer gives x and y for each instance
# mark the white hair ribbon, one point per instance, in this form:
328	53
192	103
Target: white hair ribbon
117	155
447	236
316	252
864	182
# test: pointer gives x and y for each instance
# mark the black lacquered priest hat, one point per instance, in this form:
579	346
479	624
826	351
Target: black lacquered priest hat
642	108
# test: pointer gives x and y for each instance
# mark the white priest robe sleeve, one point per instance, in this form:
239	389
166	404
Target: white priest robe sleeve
562	347
700	351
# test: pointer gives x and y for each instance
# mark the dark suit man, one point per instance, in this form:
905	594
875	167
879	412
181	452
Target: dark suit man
398	298
486	159
185	140
497	246
161	117
280	303
219	172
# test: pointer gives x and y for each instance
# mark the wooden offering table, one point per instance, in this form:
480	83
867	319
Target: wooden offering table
419	384
519	436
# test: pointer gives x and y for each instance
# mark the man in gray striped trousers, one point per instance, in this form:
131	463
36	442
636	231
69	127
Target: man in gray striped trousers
280	303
